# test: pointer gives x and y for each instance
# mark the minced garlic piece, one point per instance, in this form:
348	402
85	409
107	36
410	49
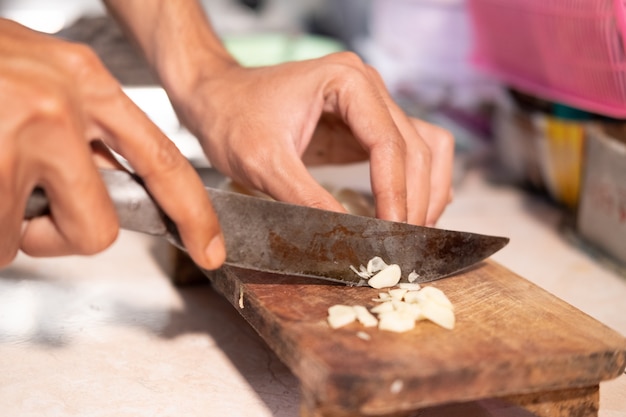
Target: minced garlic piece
340	315
399	308
386	278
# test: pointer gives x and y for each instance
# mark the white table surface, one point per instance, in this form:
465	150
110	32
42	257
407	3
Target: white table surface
109	335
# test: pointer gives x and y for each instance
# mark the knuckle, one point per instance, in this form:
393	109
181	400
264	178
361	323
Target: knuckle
50	106
167	156
421	155
440	140
94	228
349	58
426	154
85	65
40	102
257	164
348	67
396	145
98	240
166	159
393	196
445	140
425	157
82	59
373	73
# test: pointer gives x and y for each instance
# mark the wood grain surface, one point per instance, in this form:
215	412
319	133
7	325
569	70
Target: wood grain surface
511	339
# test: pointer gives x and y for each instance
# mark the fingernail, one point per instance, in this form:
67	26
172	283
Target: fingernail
216	251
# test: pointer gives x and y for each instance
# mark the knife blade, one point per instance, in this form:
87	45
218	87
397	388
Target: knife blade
270	236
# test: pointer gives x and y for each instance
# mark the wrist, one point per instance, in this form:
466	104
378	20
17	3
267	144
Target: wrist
177	40
184	74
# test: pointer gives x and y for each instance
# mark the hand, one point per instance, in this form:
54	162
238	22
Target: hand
260	126
57	98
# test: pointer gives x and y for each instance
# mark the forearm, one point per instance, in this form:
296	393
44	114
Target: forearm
176	38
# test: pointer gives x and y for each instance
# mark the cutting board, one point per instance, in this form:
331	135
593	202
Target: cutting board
512	341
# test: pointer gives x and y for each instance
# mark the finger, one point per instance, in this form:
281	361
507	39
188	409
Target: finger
361	106
438	168
169	177
418	158
82	219
441	144
288	180
43	135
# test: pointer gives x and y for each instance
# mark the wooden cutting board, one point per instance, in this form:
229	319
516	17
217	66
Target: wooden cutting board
512	341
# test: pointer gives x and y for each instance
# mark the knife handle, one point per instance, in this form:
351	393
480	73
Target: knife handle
136	209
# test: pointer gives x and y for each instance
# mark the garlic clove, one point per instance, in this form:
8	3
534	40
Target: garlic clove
412	277
366	318
383	308
397	293
413	309
340	315
376	264
384	296
363	335
361	273
409	286
435	294
396	321
438	314
388	277
412	297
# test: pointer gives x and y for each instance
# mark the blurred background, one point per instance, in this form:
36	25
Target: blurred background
533	90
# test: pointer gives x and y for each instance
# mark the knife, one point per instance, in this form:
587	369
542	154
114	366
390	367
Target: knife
270	236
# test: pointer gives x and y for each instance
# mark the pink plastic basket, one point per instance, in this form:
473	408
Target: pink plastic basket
569	51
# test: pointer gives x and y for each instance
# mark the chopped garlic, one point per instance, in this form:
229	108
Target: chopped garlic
412	309
365	317
409	286
396	386
413	276
384	307
363	274
388	277
438	314
363	335
397	293
340	315
384	296
376	264
400	308
396	321
436	295
412	297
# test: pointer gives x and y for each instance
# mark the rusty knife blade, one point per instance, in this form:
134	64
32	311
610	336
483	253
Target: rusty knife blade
270	236
301	241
